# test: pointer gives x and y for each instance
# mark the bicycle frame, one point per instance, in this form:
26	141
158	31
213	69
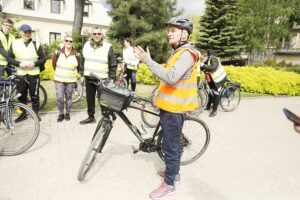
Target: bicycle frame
146	145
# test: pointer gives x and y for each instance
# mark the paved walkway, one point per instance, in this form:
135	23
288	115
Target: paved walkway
253	155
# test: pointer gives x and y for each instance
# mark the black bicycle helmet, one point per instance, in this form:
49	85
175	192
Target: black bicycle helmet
181	23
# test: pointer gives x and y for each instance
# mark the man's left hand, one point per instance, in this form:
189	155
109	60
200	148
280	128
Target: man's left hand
141	54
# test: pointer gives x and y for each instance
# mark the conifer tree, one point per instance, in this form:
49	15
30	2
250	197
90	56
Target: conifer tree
218	29
144	21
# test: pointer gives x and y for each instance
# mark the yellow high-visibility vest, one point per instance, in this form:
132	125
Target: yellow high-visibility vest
219	74
96	60
6	45
66	68
181	96
25	54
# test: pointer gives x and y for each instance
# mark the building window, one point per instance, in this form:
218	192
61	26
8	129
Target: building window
29	4
54	37
86	10
55	6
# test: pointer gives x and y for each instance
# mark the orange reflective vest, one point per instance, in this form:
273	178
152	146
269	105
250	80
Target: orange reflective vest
181	96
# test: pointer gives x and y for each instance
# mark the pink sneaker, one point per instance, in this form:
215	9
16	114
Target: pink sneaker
162	190
162	174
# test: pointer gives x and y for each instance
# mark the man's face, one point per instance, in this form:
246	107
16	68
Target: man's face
96	35
26	35
174	35
7	27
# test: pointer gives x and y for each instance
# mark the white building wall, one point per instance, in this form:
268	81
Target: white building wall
43	21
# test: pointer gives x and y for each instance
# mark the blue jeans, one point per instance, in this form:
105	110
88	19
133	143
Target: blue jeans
171	124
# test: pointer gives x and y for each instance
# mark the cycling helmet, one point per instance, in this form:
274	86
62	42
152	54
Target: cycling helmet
181	23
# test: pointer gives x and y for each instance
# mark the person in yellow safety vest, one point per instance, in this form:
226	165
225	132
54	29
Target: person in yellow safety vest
131	63
98	57
215	76
6	39
66	62
177	95
28	58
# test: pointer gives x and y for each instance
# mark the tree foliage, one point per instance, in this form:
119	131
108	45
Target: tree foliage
144	21
218	29
266	22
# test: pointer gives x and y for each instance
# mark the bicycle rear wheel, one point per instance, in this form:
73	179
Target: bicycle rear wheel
195	140
100	136
77	92
230	97
43	97
17	137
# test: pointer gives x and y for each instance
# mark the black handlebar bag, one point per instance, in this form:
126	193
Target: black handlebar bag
113	96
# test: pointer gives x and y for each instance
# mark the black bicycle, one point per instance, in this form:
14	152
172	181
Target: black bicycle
230	94
15	136
194	138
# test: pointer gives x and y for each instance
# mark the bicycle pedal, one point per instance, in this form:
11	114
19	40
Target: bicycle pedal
135	150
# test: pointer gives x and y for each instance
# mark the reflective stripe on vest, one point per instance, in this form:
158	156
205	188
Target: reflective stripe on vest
219	74
66	68
181	96
25	54
6	45
96	60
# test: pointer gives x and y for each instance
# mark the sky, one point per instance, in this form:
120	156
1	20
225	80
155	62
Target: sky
191	7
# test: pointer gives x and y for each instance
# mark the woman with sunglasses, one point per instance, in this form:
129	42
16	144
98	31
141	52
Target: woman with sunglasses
66	66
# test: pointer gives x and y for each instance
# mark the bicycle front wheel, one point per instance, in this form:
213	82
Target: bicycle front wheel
194	140
100	136
77	92
17	136
230	97
199	109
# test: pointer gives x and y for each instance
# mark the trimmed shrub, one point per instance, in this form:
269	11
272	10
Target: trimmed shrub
48	73
265	80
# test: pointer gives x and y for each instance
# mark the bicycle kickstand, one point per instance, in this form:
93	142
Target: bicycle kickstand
135	150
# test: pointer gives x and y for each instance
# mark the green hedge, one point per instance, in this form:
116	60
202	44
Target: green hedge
261	80
265	80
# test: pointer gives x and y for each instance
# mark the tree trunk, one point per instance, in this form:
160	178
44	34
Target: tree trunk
78	16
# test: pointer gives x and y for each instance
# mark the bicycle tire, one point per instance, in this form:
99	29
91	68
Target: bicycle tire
199	109
204	94
195	131
77	92
230	97
43	97
147	118
22	135
96	146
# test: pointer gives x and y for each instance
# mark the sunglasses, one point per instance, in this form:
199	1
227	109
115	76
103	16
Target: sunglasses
27	32
97	33
70	41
